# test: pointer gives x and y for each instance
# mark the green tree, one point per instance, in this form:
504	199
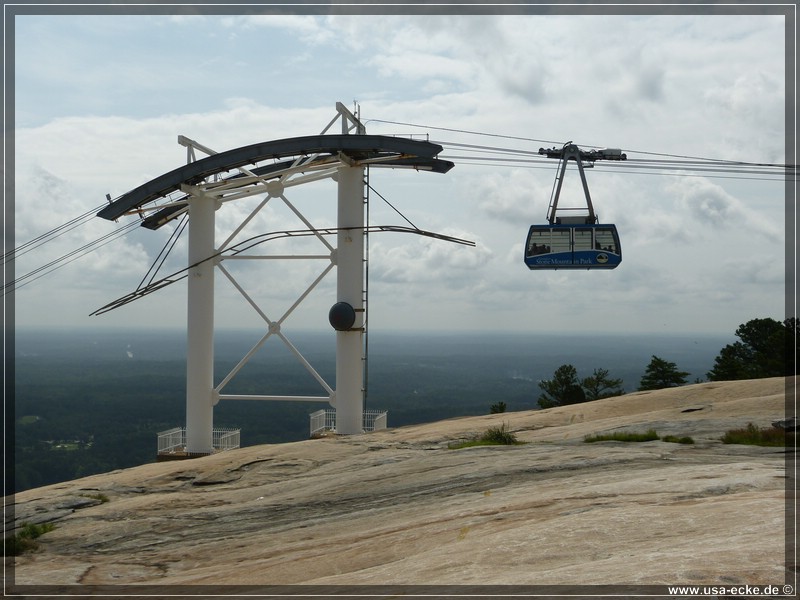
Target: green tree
661	374
564	388
599	385
766	348
732	362
499	407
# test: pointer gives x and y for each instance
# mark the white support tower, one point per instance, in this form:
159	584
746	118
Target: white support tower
200	326
350	289
204	185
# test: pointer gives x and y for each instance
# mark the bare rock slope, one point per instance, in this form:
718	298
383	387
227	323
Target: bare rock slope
399	507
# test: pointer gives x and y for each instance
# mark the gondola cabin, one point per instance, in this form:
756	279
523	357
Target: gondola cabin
572	246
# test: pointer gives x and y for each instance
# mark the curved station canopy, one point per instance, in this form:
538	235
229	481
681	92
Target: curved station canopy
309	153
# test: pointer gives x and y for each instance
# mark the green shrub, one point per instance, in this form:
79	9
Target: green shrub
499	435
494	436
755	436
499	407
623	436
99	496
677	440
25	539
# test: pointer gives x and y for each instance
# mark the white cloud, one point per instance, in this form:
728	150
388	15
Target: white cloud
310	29
620	81
515	197
428	260
711	207
755	101
419	65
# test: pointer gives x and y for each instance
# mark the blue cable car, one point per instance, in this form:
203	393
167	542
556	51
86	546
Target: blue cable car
572	246
575	242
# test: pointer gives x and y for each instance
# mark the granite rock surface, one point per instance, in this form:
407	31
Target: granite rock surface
399	507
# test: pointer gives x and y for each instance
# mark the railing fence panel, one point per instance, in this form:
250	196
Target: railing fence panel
173	441
324	420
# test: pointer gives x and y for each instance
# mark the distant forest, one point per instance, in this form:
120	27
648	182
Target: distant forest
93	402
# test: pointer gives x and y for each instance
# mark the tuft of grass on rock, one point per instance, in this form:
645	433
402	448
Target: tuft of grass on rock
623	436
677	440
25	539
764	436
494	436
499	435
102	498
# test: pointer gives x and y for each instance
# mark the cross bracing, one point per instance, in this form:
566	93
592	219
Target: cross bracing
268	170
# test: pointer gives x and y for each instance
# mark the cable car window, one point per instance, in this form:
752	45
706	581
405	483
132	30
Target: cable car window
562	246
539	242
560	241
606	240
583	239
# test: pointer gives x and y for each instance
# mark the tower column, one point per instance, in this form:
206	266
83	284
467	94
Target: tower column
350	289
200	328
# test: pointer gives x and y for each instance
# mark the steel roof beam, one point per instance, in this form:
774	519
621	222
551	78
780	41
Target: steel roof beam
396	150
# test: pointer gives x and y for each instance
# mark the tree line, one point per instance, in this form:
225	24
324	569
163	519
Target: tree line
765	348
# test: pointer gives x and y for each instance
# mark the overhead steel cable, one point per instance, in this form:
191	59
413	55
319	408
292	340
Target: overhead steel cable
50	235
707	168
718	160
534	160
493	149
676	170
643	170
722	165
497	135
67	258
475	154
731	164
705	160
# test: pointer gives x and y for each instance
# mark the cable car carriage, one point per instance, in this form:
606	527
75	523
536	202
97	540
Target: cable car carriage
573	242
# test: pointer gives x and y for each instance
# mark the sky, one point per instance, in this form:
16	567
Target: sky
101	99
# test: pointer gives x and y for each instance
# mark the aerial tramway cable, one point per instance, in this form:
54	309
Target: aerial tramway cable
453	130
633	169
67	258
50	235
684	162
474	154
529	159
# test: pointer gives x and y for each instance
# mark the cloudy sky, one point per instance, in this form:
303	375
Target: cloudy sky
100	101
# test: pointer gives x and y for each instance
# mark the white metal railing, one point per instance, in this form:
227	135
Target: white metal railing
317	422
171	440
379	422
374	420
225	439
324	420
174	440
